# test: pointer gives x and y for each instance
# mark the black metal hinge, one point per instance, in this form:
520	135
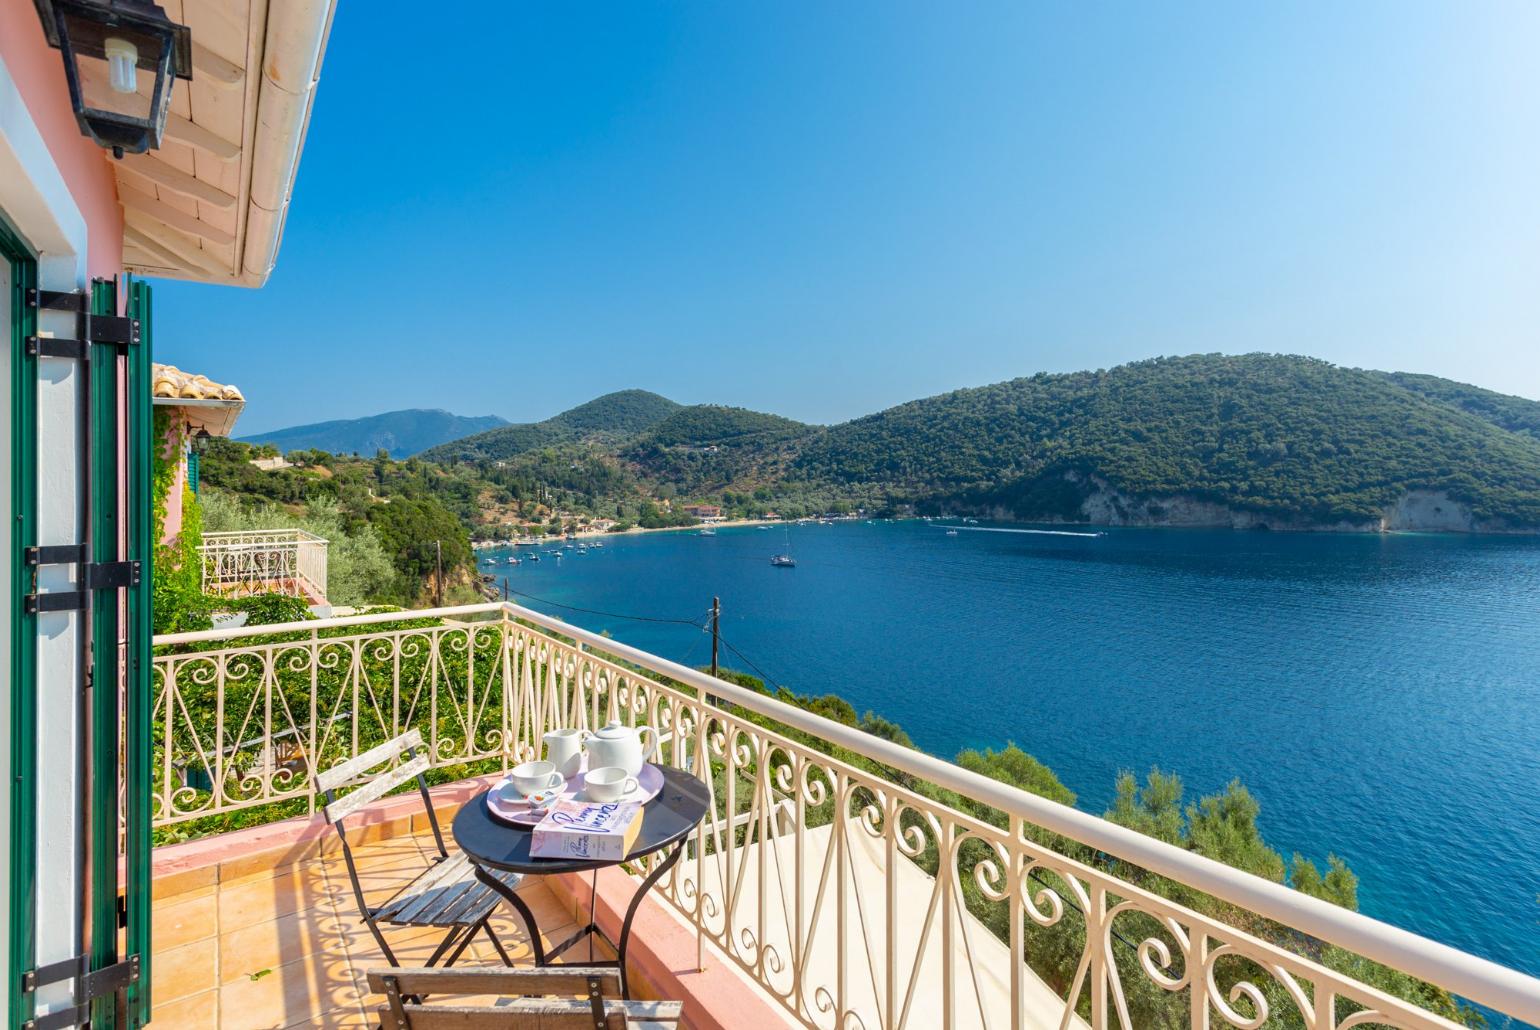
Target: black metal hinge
57	300
109	575
87	984
112	329
53	347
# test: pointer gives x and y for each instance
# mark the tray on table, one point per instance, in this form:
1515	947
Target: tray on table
521	813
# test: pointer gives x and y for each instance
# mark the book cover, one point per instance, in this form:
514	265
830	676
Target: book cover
587	831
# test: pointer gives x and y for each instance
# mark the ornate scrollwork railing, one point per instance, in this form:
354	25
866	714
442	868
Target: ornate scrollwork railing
282	561
859	883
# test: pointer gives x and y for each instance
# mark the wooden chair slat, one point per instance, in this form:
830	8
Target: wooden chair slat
347	772
376	788
495	980
471	905
433	905
450	870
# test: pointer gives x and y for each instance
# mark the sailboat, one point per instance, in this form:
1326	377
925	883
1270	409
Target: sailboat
784	561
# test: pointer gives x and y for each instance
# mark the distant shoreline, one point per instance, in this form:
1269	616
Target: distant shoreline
1089	526
588	534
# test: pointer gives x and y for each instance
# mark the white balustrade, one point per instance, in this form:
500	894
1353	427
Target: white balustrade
858	882
281	561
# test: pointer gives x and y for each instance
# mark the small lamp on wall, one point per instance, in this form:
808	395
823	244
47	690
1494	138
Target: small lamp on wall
195	459
121	58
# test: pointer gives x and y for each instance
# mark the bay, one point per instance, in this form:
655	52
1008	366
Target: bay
1379	695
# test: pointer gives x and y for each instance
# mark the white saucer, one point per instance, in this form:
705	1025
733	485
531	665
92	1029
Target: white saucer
521	813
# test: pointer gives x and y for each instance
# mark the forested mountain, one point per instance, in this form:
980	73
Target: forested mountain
398	433
1292	439
1255	440
612	418
708	448
1515	414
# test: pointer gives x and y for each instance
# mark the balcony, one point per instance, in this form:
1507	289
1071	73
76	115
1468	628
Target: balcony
838	879
291	562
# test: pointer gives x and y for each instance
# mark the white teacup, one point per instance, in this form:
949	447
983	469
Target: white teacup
533	777
609	784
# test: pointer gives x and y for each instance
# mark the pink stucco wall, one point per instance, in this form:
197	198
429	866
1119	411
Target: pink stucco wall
174	448
39	75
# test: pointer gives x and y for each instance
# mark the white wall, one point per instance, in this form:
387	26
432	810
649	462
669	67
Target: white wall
36	201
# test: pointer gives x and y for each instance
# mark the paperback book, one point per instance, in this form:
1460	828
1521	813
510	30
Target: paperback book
587	831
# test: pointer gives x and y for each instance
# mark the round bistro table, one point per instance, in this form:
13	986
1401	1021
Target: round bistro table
492	844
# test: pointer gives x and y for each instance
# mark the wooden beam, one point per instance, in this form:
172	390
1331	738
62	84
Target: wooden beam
175	253
195	135
174	217
162	174
213	67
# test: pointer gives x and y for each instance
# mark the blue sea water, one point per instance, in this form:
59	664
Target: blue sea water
1380	695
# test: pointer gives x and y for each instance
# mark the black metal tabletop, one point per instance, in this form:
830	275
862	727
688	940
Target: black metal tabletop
666	819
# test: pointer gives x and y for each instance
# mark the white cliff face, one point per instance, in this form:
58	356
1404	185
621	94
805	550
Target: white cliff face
1430	511
1107	506
1426	511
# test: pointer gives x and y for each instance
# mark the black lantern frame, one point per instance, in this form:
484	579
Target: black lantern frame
84	28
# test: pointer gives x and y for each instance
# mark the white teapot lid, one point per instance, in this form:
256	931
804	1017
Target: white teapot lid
613	730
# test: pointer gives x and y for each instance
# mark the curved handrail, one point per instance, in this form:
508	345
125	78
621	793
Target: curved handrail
1477	979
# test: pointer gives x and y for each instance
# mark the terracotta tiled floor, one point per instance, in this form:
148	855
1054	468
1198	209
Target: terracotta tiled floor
285	947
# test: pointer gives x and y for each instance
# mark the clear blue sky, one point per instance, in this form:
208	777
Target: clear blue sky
824	209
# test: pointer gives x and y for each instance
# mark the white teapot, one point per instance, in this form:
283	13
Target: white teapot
620	747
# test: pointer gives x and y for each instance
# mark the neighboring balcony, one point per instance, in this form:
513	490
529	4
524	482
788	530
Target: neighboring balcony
277	561
839	880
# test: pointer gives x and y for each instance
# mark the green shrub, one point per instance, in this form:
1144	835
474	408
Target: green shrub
268	609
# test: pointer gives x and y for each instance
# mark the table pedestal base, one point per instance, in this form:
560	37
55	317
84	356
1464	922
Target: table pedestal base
546	958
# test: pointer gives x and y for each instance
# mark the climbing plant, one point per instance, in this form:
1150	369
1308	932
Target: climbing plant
180	604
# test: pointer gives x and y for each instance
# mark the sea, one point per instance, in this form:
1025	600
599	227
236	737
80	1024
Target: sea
1378	694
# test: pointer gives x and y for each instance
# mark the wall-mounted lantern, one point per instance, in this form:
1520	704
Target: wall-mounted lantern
121	58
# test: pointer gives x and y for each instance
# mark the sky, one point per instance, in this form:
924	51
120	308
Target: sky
822	210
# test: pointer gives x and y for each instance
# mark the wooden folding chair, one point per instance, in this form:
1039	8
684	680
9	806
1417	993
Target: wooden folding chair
445	894
547	998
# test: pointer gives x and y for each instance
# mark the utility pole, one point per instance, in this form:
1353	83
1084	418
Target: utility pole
716	631
505	588
438	560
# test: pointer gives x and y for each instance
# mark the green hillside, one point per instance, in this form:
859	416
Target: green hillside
702	425
708	448
398	433
1515	414
611	418
620	414
1278	440
1288	436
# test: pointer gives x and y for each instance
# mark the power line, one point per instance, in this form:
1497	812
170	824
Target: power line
699	622
750	663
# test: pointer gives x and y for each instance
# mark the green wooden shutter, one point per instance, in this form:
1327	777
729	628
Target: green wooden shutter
23	628
121	521
105	546
137	689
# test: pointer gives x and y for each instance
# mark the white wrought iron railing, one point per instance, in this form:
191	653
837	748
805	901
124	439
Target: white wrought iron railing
281	561
859	882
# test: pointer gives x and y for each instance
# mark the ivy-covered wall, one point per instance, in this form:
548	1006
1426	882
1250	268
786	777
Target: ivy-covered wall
179	601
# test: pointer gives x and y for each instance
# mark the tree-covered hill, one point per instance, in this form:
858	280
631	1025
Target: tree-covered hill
704	425
1288	437
1250	440
612	418
618	415
705	449
1515	414
399	433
